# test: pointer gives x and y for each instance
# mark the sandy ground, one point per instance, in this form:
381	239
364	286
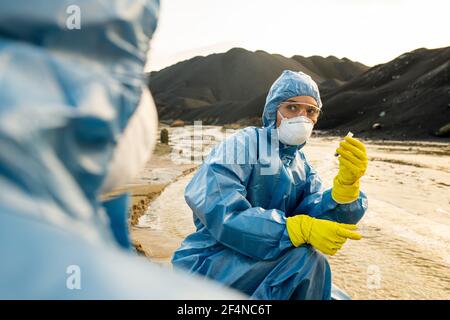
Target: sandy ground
405	252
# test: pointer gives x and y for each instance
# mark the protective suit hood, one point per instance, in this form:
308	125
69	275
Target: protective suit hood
288	85
67	93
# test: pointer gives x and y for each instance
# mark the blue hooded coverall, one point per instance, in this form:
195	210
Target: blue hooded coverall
66	96
240	210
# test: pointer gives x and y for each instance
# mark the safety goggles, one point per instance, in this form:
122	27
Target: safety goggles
295	109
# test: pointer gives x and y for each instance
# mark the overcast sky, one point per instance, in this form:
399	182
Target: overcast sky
368	31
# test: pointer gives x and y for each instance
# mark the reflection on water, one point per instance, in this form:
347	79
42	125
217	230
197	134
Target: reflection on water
192	144
189	144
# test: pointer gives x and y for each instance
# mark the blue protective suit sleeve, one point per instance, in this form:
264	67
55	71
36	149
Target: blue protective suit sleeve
318	202
217	196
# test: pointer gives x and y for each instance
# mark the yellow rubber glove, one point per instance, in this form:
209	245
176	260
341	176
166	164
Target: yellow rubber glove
326	236
352	166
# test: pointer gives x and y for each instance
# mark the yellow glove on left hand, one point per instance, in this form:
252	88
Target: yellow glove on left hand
326	236
352	166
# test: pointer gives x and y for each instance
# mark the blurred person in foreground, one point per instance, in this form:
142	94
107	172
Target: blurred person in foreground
77	121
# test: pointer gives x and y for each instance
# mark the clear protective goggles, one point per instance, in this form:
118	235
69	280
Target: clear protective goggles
290	109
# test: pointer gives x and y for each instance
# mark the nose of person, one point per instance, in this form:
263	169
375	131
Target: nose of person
303	112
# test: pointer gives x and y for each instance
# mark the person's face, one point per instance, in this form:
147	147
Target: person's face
299	106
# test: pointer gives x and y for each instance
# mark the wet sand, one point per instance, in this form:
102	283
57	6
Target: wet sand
405	252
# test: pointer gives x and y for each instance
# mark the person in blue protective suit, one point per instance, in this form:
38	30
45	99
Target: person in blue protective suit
260	211
76	121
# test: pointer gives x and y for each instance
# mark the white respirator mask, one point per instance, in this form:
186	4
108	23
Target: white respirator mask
294	131
135	146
